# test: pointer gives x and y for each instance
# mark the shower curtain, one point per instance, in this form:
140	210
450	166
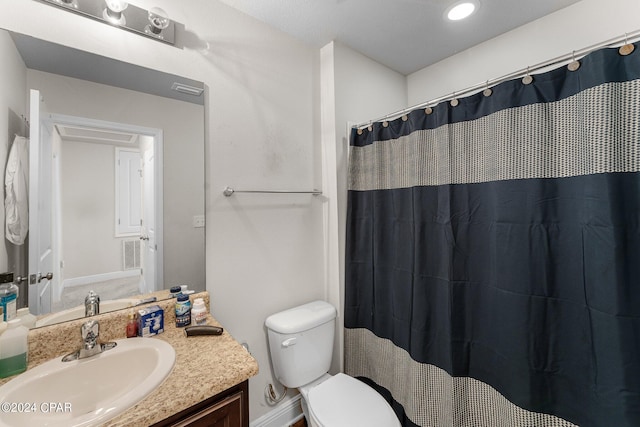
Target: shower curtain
493	254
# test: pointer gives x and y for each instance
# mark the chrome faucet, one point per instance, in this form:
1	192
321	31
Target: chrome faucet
90	332
91	304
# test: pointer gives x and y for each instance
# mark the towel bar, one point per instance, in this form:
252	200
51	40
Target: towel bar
229	191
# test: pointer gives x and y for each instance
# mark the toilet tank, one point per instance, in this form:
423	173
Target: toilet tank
301	342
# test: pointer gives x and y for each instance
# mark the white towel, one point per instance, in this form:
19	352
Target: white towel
16	183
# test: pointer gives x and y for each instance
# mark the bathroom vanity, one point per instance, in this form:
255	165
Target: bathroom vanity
229	408
208	385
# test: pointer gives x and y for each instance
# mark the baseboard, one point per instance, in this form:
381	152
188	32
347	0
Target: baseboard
85	280
281	416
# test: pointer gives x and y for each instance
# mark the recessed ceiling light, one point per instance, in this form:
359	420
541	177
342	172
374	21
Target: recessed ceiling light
460	10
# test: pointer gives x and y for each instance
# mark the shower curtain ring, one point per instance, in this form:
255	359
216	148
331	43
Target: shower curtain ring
487	91
527	79
573	65
454	102
627	48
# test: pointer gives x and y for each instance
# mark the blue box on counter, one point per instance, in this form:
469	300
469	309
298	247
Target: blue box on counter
150	321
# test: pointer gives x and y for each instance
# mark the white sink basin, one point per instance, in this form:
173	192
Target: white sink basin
90	391
78	311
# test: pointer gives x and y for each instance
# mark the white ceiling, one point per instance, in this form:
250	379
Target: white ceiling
404	35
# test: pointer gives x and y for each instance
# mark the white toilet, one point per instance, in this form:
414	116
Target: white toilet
301	344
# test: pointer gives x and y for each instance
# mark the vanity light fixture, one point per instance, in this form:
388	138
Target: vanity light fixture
461	10
153	23
68	3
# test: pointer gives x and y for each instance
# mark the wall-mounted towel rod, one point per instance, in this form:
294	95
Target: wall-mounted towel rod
229	191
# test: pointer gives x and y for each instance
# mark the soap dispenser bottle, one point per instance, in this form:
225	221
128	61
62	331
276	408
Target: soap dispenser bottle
132	326
13	349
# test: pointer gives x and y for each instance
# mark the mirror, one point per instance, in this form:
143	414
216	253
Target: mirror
117	146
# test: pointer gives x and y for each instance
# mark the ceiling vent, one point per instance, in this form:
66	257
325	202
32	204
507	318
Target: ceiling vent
86	134
185	88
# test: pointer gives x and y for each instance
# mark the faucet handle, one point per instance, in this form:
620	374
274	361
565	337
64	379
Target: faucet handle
90	331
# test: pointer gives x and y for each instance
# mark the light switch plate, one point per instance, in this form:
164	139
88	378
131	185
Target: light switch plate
198	221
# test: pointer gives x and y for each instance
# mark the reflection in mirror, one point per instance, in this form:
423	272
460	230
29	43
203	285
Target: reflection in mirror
122	173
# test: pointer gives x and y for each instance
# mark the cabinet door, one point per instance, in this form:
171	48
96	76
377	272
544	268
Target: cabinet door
226	413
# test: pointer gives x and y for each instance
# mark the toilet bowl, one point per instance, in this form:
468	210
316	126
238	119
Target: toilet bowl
343	401
301	347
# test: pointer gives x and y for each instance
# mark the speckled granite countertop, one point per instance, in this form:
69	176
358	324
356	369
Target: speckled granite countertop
204	367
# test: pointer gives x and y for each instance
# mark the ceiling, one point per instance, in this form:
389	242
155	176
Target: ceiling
404	35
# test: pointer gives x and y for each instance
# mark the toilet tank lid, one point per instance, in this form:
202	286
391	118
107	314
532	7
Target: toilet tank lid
301	318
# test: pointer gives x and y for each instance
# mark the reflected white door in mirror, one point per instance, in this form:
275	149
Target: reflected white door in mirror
104	204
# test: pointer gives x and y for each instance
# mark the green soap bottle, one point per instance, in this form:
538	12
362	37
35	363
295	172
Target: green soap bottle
13	349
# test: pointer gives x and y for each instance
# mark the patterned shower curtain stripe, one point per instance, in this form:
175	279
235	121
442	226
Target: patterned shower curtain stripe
492	274
569	137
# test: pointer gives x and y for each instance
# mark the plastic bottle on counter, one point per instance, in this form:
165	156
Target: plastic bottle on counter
132	326
199	312
184	289
8	301
174	291
183	311
13	349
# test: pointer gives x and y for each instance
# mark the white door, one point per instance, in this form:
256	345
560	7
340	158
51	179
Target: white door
128	192
148	229
40	209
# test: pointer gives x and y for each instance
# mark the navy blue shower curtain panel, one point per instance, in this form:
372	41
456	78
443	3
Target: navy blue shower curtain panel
493	254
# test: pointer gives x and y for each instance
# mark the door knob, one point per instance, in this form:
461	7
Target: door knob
144	237
47	276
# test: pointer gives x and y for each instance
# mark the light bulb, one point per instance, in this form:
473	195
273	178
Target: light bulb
116	6
113	12
158	19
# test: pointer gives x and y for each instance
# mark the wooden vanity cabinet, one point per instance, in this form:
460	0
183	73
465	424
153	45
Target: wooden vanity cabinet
227	409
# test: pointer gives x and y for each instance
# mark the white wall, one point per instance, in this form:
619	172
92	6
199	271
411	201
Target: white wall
264	253
12	107
354	88
580	25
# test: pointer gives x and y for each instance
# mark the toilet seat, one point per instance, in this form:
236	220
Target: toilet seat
343	401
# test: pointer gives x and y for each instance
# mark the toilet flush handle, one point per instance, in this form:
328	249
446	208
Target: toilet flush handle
289	342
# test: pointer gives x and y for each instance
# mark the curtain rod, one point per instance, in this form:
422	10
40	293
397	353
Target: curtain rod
523	72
